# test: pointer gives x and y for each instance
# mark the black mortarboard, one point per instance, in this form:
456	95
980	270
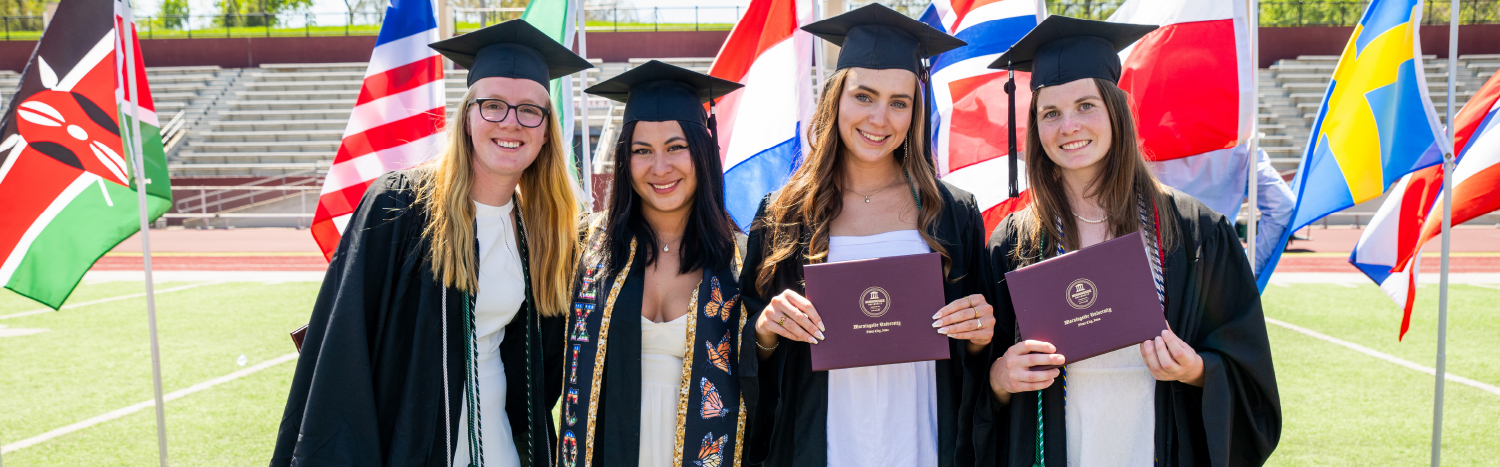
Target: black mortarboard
1061	50
512	49
879	38
658	92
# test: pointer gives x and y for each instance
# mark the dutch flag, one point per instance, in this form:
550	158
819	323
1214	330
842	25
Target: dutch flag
761	127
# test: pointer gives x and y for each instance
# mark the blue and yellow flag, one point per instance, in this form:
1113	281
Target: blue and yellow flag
1376	123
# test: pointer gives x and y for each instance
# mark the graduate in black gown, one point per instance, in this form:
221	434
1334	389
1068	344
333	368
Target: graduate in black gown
1204	392
651	377
425	288
866	189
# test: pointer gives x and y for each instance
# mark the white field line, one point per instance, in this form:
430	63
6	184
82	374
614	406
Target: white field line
107	300
1387	357
117	413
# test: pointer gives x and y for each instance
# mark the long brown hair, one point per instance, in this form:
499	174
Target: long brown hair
814	196
545	195
1124	177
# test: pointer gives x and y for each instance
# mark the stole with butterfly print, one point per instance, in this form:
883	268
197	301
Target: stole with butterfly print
710	419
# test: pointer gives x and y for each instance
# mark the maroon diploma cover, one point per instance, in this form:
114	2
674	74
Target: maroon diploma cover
1089	302
877	311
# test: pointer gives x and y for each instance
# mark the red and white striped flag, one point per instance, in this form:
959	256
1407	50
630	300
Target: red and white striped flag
397	121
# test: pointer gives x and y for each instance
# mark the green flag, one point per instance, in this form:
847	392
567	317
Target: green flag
555	17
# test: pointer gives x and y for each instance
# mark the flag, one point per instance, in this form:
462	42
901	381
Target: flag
969	135
556	19
1375	125
67	188
761	126
1388	248
1190	87
397	120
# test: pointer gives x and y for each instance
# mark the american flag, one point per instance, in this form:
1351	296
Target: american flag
397	120
969	140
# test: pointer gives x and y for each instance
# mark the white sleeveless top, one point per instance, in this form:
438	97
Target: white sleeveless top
502	290
1111	411
663	346
887	414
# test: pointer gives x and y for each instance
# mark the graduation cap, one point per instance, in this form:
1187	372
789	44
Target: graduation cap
659	92
879	38
512	49
1061	50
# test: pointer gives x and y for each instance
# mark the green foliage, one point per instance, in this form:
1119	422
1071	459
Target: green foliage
256	12
173	14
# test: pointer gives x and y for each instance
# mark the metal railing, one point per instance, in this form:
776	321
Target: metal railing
1274	13
694	18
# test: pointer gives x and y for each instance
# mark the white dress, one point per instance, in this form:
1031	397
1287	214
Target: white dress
1111	410
662	349
903	431
502	289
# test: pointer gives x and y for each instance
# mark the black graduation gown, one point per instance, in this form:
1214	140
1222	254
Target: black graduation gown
1214	306
788	401
368	389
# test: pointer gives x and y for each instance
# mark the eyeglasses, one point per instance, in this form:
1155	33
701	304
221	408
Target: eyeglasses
495	110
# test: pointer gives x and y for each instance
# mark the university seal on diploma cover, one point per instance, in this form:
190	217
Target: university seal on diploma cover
1089	302
877	311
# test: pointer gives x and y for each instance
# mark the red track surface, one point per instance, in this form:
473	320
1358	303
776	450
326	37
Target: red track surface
213	263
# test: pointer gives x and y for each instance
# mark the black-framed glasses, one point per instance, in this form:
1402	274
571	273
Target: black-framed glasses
495	110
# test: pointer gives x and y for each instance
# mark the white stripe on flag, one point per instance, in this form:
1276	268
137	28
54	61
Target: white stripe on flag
770	95
369	166
986	180
1172	11
58	204
394	107
401	52
998	10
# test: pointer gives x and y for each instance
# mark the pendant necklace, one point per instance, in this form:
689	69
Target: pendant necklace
867	197
1102	219
666	246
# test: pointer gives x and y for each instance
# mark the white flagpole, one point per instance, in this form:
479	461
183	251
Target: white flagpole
1442	346
586	169
136	155
1252	19
818	7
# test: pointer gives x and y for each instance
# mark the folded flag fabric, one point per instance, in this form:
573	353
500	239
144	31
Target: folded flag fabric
397	120
67	174
762	127
969	119
1376	123
1389	248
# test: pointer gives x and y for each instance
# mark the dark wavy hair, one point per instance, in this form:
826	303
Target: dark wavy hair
708	241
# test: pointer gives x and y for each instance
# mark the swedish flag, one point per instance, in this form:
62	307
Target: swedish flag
1376	122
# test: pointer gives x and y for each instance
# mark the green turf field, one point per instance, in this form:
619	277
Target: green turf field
1341	407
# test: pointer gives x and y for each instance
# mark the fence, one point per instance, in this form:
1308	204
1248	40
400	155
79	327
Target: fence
694	18
1273	13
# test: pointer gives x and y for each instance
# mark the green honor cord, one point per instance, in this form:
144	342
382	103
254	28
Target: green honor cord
471	388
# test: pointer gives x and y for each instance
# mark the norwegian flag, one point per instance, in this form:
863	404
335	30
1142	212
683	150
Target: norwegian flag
970	142
397	121
1412	214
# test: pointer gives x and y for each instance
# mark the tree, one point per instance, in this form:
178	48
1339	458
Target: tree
174	13
256	12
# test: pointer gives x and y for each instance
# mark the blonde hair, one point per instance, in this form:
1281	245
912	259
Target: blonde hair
813	196
545	196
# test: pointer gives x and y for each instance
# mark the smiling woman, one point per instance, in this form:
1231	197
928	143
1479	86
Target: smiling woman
437	337
664	251
866	190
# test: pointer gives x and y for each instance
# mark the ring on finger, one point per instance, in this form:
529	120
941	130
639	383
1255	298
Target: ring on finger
782	322
981	322
971	300
976	313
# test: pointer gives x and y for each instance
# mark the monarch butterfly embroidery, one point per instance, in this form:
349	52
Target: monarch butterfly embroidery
719	356
711	453
713	406
717	307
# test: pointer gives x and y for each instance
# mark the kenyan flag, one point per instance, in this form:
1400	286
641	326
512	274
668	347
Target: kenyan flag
67	177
